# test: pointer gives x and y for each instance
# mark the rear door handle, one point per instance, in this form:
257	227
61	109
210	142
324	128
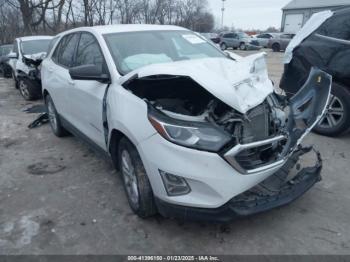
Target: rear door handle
71	82
50	69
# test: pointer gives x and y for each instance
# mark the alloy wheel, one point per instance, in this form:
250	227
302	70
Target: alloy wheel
52	115
334	113
130	179
23	88
242	46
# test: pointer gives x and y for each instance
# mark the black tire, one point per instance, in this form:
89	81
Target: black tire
334	123
54	118
28	89
276	47
242	46
223	46
137	186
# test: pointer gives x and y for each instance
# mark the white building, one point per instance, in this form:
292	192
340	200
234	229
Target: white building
297	12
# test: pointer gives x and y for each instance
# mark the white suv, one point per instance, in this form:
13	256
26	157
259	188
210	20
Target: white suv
196	133
26	56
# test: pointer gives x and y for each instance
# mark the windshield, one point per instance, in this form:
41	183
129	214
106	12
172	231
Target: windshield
133	50
35	46
243	35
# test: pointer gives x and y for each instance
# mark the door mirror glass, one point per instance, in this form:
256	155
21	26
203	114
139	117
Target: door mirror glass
12	55
89	72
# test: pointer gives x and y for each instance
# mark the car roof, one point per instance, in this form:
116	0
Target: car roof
123	28
36	37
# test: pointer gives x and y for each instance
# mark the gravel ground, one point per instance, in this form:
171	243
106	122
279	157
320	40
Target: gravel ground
59	197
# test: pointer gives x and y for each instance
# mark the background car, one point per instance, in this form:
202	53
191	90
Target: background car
5	69
328	48
263	39
27	51
212	36
280	42
236	40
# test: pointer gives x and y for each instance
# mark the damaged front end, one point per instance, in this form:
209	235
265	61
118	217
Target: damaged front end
29	76
251	134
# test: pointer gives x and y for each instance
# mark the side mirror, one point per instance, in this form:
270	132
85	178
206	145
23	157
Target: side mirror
89	72
12	55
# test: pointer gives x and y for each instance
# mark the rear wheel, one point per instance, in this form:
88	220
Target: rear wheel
336	120
137	186
276	47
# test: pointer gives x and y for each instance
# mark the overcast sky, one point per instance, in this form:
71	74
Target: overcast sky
249	14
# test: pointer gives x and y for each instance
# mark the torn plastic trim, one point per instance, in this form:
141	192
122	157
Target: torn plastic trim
230	156
276	191
306	108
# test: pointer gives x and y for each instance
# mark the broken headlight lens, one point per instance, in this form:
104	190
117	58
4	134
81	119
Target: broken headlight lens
202	136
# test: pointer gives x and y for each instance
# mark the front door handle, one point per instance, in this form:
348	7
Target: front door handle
71	82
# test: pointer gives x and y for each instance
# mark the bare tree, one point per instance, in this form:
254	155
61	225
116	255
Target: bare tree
28	17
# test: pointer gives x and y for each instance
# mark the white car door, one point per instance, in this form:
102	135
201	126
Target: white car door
55	74
85	97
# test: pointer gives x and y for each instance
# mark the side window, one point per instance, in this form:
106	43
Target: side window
64	53
89	52
336	27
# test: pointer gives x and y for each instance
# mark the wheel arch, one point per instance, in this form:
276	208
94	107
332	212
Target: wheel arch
115	137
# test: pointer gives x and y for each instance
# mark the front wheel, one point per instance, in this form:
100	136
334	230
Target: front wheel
54	118
27	89
223	46
242	46
336	120
137	186
276	47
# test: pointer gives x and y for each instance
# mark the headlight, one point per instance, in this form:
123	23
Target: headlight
202	136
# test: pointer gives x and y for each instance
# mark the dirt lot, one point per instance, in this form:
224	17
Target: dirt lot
58	197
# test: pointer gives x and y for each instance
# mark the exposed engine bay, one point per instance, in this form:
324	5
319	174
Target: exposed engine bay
264	135
183	99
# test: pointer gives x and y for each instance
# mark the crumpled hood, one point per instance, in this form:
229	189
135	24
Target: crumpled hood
233	82
36	57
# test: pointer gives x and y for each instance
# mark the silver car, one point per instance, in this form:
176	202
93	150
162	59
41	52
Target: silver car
263	39
281	42
235	40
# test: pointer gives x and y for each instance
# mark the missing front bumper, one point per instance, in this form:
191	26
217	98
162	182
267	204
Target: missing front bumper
278	190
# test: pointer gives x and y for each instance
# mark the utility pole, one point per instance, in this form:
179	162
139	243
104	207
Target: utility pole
223	11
